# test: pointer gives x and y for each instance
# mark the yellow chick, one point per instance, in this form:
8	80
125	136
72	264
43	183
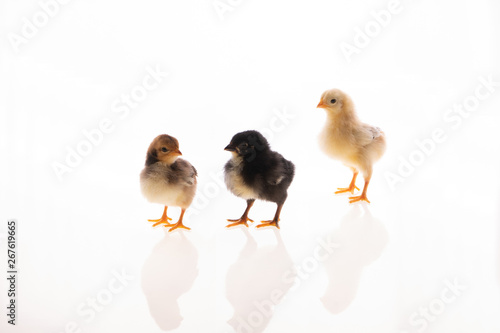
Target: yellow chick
346	138
167	179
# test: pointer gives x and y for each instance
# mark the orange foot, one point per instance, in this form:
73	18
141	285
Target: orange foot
268	223
346	189
361	197
163	220
177	225
241	220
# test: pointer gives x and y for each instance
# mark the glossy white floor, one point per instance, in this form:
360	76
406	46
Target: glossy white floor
422	257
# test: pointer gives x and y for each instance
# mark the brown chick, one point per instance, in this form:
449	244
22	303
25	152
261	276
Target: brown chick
347	139
167	179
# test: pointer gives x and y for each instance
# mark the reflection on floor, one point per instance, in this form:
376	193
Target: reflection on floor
256	282
361	238
169	272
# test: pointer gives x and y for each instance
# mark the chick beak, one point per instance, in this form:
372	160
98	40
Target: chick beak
229	148
321	104
177	152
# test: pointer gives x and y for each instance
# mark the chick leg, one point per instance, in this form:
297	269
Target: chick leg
244	218
274	221
163	220
179	223
352	186
363	194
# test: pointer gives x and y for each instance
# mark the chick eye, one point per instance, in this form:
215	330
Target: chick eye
333	101
163	149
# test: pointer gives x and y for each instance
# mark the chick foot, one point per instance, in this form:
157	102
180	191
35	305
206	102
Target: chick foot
346	189
241	220
177	226
361	197
269	223
163	220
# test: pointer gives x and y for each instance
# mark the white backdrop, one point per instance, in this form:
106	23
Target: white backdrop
86	86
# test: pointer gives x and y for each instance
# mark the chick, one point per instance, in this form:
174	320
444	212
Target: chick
256	172
167	179
346	138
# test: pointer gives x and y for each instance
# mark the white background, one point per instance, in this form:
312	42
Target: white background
233	72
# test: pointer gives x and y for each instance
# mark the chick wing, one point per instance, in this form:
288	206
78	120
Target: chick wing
183	172
366	134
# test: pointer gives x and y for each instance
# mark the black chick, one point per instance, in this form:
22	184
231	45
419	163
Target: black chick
257	172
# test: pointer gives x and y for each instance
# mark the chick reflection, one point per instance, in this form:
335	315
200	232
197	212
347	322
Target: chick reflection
361	239
257	282
169	272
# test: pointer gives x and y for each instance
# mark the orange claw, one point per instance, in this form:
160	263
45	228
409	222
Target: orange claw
361	197
178	225
163	220
241	220
268	223
346	189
